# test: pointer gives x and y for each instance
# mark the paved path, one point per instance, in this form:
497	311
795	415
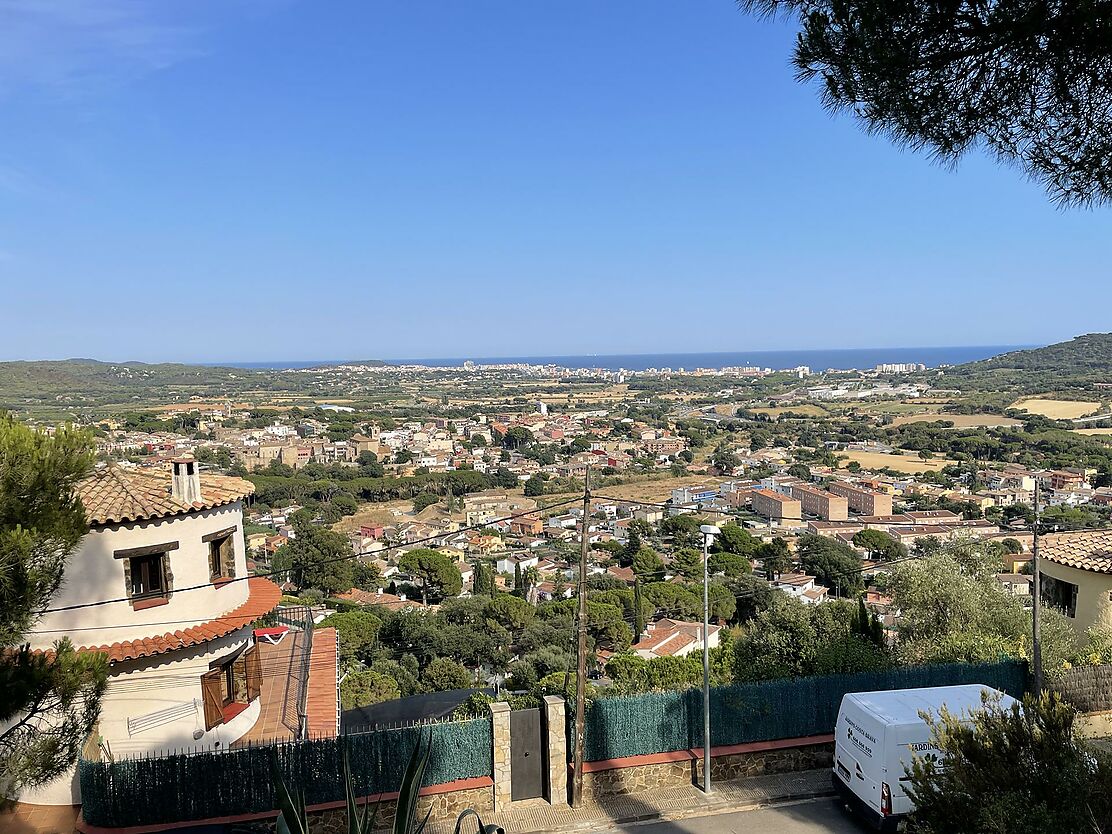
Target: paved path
676	803
813	816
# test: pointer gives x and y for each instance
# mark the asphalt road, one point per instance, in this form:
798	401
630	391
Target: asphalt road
821	816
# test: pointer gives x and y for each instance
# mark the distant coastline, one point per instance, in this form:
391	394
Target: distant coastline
816	360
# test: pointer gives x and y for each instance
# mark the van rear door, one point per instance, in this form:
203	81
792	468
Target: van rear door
858	752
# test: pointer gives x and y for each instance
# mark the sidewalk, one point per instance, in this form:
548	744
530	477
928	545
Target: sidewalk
668	803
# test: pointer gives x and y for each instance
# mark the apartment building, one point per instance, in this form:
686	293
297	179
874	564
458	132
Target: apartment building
776	507
862	501
820	503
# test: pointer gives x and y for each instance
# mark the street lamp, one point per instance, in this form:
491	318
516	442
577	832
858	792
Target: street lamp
709	531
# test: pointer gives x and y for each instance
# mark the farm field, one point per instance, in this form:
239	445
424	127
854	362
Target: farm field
960	421
1057	409
805	410
654	491
901	463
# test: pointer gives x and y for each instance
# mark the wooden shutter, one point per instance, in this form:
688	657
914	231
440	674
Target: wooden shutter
212	692
254	673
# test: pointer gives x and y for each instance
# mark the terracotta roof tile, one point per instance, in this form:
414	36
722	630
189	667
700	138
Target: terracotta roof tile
263	596
1084	549
112	495
321	706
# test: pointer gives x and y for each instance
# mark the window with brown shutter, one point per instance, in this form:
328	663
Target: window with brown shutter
222	557
254	673
212	693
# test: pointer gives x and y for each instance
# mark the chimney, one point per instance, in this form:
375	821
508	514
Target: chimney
186	484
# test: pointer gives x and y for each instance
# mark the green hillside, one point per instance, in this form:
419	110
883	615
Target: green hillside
87	381
1082	354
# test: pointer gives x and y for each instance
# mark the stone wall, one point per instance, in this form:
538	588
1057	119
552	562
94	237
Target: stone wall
637	779
444	806
685	768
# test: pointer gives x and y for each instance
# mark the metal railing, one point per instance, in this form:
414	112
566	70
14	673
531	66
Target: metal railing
160	717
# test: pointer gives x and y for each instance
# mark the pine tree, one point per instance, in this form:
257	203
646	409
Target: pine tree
517	576
49	702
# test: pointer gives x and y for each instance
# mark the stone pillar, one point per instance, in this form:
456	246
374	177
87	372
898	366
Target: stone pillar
557	743
500	726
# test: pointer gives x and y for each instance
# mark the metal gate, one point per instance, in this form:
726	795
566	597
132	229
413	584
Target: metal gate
527	755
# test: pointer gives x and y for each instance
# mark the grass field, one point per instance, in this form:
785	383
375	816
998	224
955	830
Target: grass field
912	465
1057	409
1093	432
915	407
805	410
960	421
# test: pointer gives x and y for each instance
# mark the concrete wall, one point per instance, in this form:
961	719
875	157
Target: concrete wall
1094	608
143	687
94	574
166	687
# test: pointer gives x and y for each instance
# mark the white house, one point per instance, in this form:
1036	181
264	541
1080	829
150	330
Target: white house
674	638
802	587
163	574
507	563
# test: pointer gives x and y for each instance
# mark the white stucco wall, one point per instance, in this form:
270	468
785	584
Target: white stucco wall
146	686
140	688
93	574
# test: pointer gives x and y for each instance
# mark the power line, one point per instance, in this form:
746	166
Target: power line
344	558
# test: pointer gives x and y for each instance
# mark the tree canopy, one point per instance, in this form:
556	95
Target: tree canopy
438	576
1027	80
50	701
317	558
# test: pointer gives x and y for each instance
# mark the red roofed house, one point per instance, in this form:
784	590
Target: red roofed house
163	573
674	638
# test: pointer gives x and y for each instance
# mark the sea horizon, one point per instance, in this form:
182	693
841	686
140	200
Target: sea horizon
816	359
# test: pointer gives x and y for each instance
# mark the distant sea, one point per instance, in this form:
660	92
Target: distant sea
816	360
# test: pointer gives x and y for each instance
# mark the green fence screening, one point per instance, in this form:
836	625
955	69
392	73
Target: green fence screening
660	722
196	786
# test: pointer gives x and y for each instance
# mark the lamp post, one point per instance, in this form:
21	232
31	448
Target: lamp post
709	531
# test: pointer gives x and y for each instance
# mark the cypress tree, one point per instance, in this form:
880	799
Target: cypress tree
638	614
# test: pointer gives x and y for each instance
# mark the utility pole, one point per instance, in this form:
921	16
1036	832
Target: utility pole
709	531
1036	604
581	648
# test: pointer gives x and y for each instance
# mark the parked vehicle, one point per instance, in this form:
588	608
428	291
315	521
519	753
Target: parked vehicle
877	736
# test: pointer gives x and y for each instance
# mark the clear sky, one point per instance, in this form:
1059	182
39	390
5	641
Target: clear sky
269	179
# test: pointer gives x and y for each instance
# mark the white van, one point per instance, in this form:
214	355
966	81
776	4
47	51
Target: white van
877	736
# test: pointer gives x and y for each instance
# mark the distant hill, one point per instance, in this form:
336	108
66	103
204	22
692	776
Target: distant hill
1082	354
91	381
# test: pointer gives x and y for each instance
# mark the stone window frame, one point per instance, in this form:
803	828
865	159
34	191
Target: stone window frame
225	540
163	550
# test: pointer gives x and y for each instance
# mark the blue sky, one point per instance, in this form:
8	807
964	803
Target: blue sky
259	179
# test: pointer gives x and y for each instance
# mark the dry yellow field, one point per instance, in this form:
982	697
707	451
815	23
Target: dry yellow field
1057	409
910	464
960	421
659	490
1104	432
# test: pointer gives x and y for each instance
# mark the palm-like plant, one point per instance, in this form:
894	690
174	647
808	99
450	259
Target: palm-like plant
294	819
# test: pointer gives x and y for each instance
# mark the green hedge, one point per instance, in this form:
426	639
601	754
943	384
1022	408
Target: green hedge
197	786
660	722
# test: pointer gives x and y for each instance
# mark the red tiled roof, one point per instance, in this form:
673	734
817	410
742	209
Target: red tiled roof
1083	549
321	706
263	597
392	601
112	495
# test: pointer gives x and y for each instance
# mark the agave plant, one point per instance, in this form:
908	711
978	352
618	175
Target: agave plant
293	818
